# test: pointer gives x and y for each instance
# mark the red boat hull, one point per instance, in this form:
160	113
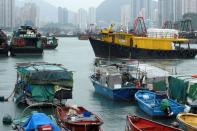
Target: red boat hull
79	123
136	123
81	127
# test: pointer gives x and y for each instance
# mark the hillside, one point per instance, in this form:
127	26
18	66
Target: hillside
110	10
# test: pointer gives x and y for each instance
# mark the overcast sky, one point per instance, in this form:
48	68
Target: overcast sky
74	5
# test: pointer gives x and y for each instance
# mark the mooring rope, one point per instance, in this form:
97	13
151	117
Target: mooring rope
3	99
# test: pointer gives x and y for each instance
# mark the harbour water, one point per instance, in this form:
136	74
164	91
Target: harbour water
78	57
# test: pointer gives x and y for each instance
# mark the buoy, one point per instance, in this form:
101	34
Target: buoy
2	98
7	119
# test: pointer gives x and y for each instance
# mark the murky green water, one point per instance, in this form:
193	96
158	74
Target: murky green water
78	56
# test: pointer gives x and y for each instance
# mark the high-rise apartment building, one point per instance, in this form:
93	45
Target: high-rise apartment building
148	9
72	18
125	15
166	11
177	9
142	8
173	10
92	15
189	6
62	16
82	19
29	14
7	8
135	8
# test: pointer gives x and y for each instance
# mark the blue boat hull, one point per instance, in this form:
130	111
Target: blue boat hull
124	94
153	107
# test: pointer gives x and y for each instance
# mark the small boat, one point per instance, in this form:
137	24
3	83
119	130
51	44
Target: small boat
186	30
83	36
110	82
121	81
136	123
4	48
49	42
188	121
42	83
77	118
35	121
26	41
156	105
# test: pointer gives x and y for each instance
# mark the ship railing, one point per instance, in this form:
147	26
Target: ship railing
162	33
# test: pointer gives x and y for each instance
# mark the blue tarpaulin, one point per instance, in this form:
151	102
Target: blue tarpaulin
39	119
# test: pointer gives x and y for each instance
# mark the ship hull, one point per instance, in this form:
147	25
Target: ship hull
25	51
83	37
4	51
50	46
105	50
122	94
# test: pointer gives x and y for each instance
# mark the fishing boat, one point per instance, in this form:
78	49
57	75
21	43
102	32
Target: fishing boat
26	41
44	83
83	36
109	81
137	123
36	121
49	42
77	118
186	92
4	48
188	121
141	43
120	81
186	30
156	105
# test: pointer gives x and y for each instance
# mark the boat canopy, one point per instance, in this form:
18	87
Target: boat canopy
45	74
155	77
162	33
183	88
148	70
